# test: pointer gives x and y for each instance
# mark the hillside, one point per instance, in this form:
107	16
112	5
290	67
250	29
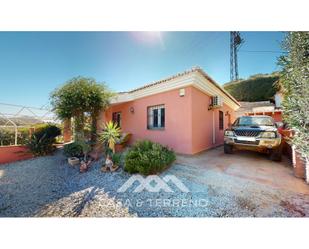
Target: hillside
23	120
258	87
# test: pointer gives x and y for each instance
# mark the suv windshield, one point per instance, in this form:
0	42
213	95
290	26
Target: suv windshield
254	121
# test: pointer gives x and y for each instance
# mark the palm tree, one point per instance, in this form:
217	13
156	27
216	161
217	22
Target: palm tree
110	134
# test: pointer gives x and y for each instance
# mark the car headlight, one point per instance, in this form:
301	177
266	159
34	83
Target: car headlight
268	134
228	133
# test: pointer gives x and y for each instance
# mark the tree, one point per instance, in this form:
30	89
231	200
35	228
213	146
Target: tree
79	97
295	85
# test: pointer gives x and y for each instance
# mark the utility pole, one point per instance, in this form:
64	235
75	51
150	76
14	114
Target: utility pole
235	42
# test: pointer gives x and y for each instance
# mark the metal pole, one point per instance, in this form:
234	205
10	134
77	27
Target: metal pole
16	131
231	56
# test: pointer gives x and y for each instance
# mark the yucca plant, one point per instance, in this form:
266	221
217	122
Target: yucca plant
110	134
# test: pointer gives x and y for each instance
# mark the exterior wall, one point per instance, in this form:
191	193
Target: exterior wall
14	153
177	132
226	122
203	121
188	122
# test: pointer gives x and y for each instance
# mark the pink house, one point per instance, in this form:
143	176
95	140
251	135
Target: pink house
188	112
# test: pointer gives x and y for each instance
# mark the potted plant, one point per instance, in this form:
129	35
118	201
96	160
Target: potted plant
73	161
122	141
73	151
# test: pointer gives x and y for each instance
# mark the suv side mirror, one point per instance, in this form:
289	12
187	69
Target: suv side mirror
279	124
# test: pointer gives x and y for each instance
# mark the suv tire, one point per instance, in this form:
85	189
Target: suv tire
276	154
228	149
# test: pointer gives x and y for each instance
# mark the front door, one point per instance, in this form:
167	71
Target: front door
117	118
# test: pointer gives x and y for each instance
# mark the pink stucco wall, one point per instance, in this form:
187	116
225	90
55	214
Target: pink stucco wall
177	132
188	123
202	122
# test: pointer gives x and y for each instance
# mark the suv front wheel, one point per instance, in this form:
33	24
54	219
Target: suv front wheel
228	149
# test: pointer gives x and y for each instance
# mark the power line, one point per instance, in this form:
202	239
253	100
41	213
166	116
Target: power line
263	51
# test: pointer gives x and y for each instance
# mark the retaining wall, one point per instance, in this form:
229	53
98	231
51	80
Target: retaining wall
14	153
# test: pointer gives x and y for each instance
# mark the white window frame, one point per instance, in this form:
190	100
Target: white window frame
150	117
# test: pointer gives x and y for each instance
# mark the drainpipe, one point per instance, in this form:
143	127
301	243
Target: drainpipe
213	127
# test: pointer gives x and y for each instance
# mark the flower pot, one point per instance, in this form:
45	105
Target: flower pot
119	148
307	169
299	164
105	169
73	161
114	168
287	133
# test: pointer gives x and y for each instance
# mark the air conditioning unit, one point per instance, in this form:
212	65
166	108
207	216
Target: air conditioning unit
217	102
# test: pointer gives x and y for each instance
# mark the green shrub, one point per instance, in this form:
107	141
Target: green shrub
49	131
22	136
74	149
146	157
41	146
42	141
7	135
116	158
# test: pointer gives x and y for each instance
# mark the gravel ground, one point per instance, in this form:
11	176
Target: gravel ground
47	186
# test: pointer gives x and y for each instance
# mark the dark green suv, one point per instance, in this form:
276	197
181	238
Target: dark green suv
257	133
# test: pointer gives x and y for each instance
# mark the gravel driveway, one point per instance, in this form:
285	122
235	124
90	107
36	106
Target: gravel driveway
218	186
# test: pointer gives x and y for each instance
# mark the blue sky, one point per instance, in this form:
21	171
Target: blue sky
32	64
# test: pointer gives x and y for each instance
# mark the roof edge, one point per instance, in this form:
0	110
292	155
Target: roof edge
186	72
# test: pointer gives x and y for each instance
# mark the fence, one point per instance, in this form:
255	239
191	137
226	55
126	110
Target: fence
19	116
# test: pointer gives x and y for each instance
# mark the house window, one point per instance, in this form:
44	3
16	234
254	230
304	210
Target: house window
117	118
221	124
156	117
